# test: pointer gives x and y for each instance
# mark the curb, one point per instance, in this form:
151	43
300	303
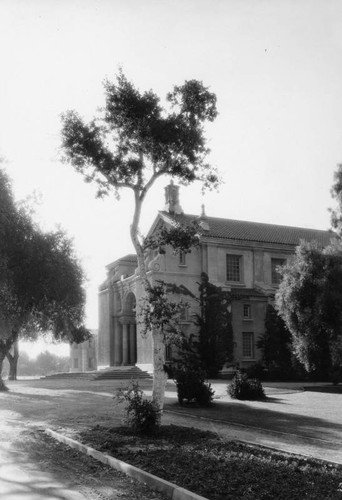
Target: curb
170	490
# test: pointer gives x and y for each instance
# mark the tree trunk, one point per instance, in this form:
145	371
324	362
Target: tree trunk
158	356
159	374
2	357
13	361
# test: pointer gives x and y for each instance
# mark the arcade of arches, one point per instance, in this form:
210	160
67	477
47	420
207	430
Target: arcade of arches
125	333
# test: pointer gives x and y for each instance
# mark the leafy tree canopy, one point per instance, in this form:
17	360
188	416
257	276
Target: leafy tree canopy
336	192
309	300
136	140
41	280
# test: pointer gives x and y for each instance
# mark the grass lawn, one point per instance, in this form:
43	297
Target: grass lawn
219	470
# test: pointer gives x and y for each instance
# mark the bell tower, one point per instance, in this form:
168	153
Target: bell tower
172	199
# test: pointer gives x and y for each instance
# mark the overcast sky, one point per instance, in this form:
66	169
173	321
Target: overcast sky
275	65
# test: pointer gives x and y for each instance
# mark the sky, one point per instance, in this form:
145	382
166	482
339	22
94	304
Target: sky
275	66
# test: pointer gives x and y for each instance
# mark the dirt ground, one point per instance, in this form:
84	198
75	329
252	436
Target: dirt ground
32	406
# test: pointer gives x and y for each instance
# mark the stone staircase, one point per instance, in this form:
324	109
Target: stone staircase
122	373
73	375
118	373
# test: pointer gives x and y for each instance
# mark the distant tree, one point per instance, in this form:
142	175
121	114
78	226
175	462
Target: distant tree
41	281
47	363
309	300
336	192
131	145
275	343
43	364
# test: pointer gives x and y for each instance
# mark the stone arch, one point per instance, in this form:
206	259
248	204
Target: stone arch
130	303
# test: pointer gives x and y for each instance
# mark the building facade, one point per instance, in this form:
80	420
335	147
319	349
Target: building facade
83	356
238	256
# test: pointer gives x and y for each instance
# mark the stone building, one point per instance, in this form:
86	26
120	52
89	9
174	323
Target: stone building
83	356
239	256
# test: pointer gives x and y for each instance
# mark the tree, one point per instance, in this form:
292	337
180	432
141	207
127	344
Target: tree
275	343
41	280
336	193
133	143
215	345
309	300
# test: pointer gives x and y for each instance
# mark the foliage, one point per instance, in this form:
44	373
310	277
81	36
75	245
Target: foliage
309	301
215	346
158	311
182	238
242	387
135	132
336	192
141	415
41	280
224	469
44	363
294	371
275	343
133	143
192	386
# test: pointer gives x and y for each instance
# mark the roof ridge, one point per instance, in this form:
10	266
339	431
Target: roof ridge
256	223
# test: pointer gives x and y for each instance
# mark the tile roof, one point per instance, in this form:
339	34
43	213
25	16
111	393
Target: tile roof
256	231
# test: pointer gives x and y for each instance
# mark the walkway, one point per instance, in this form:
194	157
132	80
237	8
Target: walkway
20	477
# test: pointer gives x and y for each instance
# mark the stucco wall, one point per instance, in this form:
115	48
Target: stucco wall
256	325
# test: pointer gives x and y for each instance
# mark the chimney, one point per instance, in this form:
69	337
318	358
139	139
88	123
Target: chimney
172	199
203	220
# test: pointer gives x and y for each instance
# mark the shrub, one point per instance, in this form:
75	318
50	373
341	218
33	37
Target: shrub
242	387
191	386
141	415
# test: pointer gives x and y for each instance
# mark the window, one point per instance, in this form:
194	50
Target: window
248	345
276	277
184	313
182	258
75	362
247	311
90	363
233	268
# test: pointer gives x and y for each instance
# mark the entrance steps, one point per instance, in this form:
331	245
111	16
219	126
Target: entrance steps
122	373
117	373
71	375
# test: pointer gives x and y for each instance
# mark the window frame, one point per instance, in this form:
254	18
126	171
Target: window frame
182	259
240	267
249	315
251	346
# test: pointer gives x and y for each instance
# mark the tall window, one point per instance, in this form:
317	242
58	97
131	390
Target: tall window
184	313
248	345
182	258
233	268
275	263
247	312
75	362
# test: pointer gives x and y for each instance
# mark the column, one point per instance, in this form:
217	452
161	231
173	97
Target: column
132	344
117	343
125	344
